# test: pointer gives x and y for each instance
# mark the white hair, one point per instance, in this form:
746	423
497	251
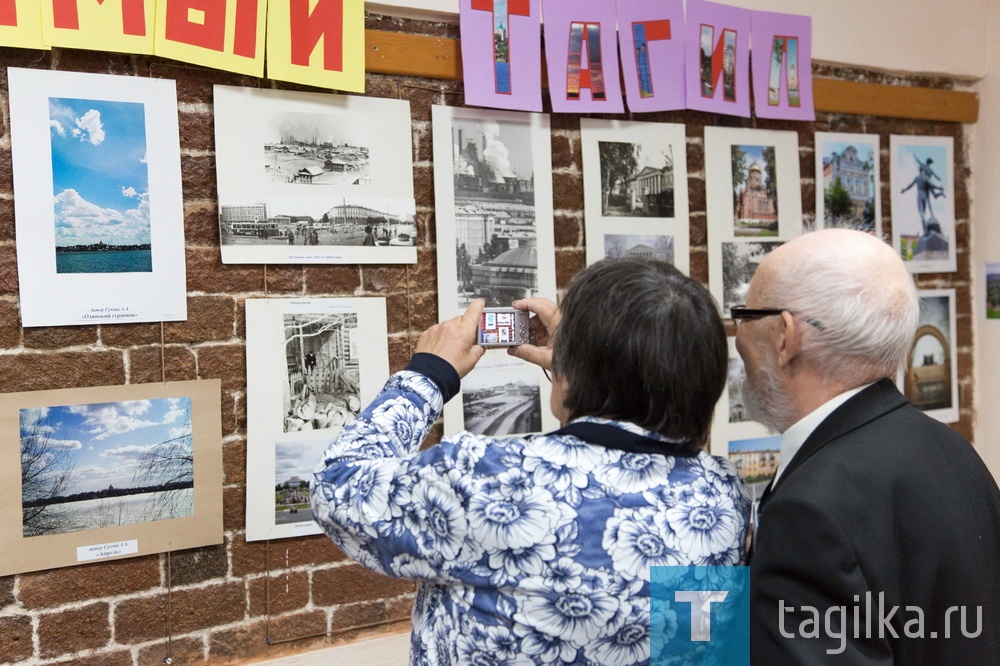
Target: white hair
860	312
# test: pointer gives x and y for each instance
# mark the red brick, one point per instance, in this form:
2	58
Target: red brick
423	190
182	651
206	273
54	337
47	589
567	230
8	269
698	230
15	638
307	629
140	620
113	657
209	318
568	264
421	98
284	279
234	508
10	325
305	551
198	565
426	228
36	372
424	144
352	583
696	195
198	177
289	591
565	152
333	280
6	219
201	223
226	362
6	171
234	462
101	62
148	365
247	641
130	335
699	266
567	191
73	630
400	352
249	557
197	130
397	313
6	591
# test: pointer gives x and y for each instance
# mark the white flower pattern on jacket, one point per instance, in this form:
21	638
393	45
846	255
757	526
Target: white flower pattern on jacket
529	550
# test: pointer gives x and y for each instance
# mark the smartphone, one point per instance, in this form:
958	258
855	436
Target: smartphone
504	327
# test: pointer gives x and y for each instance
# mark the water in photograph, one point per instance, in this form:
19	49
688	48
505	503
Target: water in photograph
123	510
124	261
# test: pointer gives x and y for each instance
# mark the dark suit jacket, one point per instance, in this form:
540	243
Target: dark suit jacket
880	503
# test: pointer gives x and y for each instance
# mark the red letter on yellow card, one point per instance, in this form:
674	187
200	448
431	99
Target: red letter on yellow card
21	24
317	42
123	26
224	34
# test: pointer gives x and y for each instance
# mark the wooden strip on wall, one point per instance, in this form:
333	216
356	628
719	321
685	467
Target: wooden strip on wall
441	58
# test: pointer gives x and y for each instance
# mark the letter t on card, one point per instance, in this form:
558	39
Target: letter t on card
502	53
582	55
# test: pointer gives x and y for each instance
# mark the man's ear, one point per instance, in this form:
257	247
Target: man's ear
789	343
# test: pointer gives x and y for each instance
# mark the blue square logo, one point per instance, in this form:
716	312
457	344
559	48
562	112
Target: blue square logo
699	616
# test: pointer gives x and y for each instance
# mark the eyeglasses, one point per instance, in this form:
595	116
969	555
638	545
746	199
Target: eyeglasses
742	312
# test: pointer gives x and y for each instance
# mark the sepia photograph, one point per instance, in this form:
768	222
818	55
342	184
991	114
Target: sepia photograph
502	400
922	170
848	185
314	178
629	171
98	205
629	246
930	381
312	365
739	263
755	191
138	466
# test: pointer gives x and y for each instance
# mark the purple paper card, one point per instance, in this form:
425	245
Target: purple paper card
581	51
501	53
782	66
718	58
651	38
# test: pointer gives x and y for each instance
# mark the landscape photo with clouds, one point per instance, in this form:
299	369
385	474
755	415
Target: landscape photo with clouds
100	186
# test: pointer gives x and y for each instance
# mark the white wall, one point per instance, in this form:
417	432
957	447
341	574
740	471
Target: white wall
915	36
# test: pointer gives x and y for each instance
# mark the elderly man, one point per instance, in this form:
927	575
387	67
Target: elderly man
878	541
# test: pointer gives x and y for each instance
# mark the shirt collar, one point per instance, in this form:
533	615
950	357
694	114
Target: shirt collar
793	438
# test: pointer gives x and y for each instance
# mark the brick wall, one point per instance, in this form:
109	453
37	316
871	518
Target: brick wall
220	604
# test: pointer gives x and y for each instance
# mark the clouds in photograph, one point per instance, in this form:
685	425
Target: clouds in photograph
297	459
107	440
99	172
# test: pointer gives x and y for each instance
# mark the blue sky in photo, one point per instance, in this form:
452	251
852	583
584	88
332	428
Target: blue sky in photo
100	179
107	439
772	443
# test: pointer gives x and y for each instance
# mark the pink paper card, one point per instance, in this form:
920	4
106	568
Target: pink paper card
718	58
501	53
581	51
782	66
651	38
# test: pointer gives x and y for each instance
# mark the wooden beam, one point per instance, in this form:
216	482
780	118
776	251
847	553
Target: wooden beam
441	58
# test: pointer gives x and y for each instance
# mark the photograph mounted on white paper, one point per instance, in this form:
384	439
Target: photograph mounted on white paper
140	464
930	381
493	194
848	186
629	172
97	173
503	396
313	178
754	203
922	170
312	364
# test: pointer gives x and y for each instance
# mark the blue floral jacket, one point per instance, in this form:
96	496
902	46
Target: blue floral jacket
529	550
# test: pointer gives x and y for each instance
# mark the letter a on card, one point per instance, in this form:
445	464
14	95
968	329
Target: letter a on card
651	38
123	26
581	51
21	24
502	53
718	58
317	42
782	66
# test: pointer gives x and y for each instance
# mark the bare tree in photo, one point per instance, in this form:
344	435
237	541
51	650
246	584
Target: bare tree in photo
169	465
47	472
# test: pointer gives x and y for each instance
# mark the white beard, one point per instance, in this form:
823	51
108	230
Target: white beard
766	400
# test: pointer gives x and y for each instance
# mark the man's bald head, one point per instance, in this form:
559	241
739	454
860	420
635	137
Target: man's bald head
856	289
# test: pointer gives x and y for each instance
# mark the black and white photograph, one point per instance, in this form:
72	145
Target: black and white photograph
848	192
930	381
493	198
629	172
312	365
138	466
323	370
502	400
639	246
754	203
293	467
731	422
734	385
314	178
739	263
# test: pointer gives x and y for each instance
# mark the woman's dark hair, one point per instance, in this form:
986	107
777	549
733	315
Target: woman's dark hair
641	342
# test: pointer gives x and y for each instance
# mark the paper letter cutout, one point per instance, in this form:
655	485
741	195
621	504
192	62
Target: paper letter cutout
224	34
718	58
123	26
501	53
317	42
782	68
582	56
651	39
21	24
